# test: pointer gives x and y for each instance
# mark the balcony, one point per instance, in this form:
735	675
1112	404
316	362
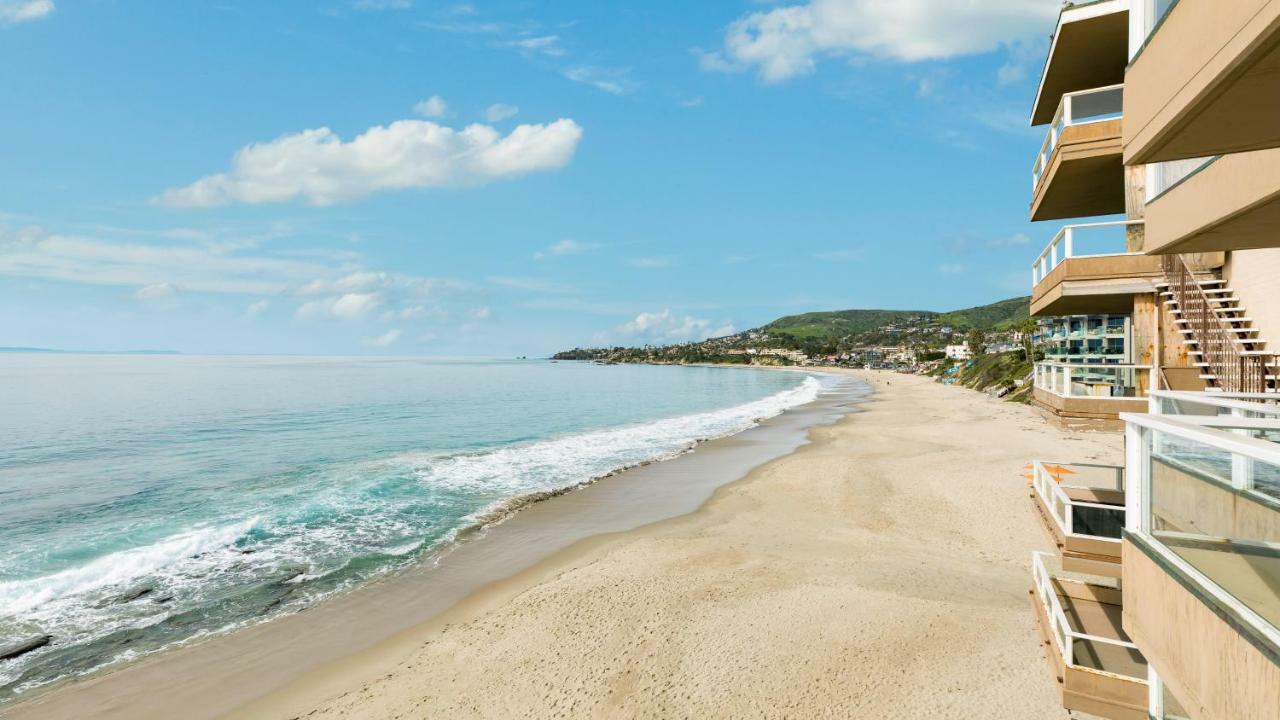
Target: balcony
1098	392
1089	49
1205	82
1082	506
1099	670
1226	203
1201	558
1086	269
1078	171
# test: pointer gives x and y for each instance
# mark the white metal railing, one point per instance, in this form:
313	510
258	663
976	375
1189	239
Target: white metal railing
1062	508
1240	405
1064	635
1082	240
1207	500
1116	381
1077	108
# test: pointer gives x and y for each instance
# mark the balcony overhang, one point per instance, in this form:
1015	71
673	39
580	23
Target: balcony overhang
1089	49
1195	644
1207	83
1087	408
1102	679
1085	175
1095	285
1233	203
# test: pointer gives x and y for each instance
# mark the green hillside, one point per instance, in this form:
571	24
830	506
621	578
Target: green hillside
843	323
839	323
996	316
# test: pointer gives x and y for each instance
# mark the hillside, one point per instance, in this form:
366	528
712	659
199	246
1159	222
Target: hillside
844	323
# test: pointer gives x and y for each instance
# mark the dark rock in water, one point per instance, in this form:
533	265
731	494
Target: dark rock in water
127	596
22	647
163	599
135	593
290	572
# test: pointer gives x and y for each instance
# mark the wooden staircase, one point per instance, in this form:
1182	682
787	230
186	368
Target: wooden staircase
1220	336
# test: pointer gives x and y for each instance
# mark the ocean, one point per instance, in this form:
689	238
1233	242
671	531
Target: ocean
149	500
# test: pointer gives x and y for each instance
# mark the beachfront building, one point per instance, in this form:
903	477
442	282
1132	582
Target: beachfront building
1112	258
958	352
1163	598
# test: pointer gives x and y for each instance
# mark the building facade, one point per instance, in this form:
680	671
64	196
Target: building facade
1162	599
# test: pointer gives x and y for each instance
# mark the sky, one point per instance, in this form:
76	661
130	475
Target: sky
504	177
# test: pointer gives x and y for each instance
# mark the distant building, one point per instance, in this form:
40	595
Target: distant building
958	352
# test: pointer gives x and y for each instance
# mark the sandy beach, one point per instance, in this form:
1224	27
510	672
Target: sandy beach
880	571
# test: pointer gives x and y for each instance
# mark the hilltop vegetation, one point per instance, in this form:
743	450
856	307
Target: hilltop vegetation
820	334
850	323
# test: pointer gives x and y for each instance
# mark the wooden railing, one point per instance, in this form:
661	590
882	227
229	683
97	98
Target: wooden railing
1218	343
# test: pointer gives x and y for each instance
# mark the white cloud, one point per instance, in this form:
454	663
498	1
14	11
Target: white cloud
359	294
386	339
564	247
350	306
220	268
158	291
666	326
951	268
548	45
498	112
650	263
480	314
787	42
432	107
1014	240
13	12
692	102
257	308
614	81
318	167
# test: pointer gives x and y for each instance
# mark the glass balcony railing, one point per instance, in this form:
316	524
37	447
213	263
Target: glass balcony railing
1162	176
1085	380
1077	108
1083	240
1074	517
1207	491
1084	634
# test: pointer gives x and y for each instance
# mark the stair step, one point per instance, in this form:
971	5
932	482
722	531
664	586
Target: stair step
1206	291
1211	281
1227	319
1220	301
1238	331
1242	352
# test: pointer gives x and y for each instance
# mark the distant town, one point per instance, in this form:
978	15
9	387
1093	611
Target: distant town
990	348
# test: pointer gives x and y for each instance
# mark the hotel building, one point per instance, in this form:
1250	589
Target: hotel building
1157	301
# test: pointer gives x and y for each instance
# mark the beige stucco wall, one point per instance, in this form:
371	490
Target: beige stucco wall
1255	276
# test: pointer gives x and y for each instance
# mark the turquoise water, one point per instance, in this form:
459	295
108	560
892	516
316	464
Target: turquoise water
147	500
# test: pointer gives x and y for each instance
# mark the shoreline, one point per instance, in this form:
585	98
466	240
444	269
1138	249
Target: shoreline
263	658
862	575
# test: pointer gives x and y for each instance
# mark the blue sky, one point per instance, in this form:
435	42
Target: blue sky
504	178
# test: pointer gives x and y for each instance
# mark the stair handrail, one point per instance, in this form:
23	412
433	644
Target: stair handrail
1221	349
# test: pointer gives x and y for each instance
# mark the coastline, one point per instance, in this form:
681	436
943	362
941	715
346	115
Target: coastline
880	571
262	658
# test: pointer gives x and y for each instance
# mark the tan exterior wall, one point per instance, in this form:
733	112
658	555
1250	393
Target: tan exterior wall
1231	203
1255	276
1212	669
1205	83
